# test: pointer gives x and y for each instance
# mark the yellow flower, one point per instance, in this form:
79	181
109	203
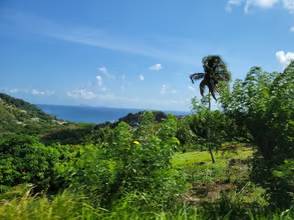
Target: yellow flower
136	142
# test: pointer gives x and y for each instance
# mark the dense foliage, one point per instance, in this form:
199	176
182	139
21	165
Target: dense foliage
24	160
156	166
263	102
18	116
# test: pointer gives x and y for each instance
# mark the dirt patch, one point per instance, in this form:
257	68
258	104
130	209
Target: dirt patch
234	162
207	192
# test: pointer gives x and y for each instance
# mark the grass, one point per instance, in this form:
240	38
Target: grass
26	207
199	168
187	159
67	207
208	180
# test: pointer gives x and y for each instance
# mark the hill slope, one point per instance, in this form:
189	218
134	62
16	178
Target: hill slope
19	116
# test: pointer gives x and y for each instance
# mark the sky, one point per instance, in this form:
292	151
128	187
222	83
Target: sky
135	54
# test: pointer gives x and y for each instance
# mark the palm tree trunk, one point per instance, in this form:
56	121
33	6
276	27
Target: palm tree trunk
208	132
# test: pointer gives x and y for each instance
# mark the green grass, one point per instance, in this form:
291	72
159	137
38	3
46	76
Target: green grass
208	180
199	168
68	207
190	158
187	159
62	206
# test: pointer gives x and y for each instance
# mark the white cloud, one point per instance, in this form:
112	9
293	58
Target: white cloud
37	92
232	3
264	4
141	77
165	89
34	92
285	58
13	90
81	94
156	67
289	5
91	90
99	80
41	93
104	71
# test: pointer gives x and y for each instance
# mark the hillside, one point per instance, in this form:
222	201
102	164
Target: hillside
134	119
17	116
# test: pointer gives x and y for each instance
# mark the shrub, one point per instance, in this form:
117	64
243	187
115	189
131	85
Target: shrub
24	160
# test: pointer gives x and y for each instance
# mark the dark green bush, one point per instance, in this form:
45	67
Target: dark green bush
24	160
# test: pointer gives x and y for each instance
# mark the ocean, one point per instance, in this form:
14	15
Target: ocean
89	114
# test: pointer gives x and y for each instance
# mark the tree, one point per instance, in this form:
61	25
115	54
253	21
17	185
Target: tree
215	72
263	103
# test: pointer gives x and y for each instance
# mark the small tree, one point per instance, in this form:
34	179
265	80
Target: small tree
211	128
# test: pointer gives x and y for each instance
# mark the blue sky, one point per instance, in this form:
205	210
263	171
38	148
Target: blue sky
134	53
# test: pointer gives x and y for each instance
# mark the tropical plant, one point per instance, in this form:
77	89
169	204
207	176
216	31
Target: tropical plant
24	160
215	71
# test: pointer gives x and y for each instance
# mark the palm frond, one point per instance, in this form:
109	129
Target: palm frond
215	70
212	89
196	76
202	86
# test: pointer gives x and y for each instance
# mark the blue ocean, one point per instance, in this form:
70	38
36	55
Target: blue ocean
88	114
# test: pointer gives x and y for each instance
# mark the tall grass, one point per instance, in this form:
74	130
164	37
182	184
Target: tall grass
67	206
62	206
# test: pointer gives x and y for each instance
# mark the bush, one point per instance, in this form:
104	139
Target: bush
130	165
24	160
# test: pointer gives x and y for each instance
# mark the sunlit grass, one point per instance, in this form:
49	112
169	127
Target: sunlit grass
193	158
199	168
28	207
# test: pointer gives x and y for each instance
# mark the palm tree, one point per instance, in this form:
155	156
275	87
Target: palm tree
215	71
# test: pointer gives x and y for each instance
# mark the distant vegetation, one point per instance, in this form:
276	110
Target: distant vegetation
155	166
18	116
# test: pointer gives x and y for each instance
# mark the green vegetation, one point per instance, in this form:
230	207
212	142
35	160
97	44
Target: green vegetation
156	166
18	116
